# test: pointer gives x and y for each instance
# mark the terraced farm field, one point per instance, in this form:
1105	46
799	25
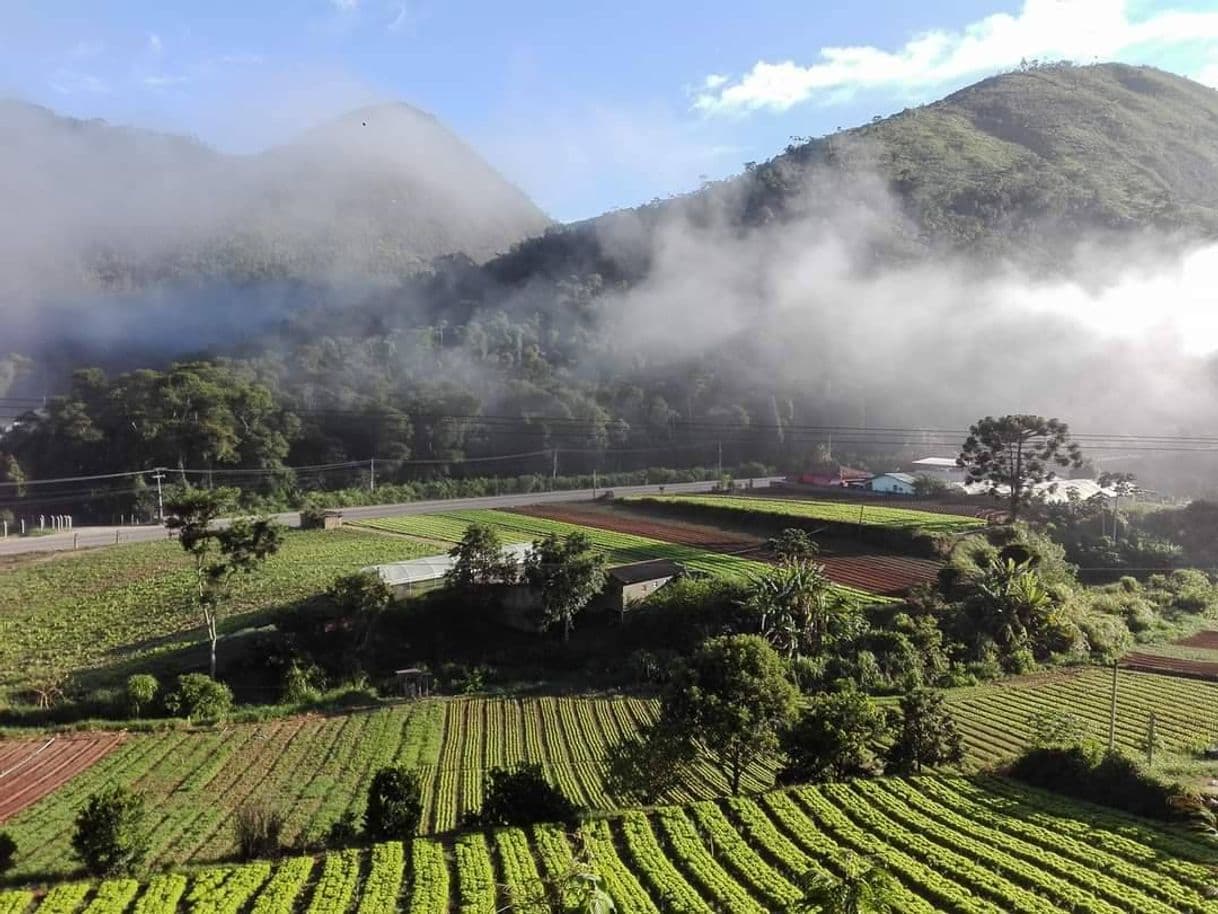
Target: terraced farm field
84	611
836	512
981	846
994	718
31	769
195	779
1195	656
315	768
872	572
619	548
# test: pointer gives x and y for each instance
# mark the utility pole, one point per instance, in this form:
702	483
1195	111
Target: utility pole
719	445
371	474
554	471
594	482
1113	713
1150	739
158	475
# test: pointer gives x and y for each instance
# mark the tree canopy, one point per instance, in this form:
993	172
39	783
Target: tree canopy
1011	454
732	699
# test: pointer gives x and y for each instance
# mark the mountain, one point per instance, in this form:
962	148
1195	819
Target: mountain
1010	167
383	190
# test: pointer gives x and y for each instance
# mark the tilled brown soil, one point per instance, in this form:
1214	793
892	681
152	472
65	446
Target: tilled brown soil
31	769
878	573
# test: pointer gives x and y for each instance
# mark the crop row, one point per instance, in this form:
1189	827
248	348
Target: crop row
956	844
317	768
995	719
863	515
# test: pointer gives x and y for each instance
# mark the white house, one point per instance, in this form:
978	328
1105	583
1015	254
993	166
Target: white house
892	483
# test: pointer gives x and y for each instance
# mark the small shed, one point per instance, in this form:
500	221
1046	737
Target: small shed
414	682
321	520
892	484
633	583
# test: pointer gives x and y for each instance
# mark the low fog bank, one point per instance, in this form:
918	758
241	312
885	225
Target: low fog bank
1123	342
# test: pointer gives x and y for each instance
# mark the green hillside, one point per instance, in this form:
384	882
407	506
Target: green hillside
1009	166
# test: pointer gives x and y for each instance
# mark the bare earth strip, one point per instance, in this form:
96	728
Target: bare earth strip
31	769
878	573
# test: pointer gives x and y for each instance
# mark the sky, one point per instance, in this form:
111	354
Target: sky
587	106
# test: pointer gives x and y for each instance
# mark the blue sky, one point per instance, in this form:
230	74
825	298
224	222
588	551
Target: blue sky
587	106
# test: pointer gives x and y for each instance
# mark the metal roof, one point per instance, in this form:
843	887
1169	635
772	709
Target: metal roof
638	572
434	567
901	477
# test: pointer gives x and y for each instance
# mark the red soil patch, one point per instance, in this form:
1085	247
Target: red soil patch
31	769
887	575
1175	666
1204	639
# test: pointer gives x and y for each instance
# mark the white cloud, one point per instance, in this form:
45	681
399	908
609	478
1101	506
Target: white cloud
1208	75
1079	30
401	19
345	6
155	45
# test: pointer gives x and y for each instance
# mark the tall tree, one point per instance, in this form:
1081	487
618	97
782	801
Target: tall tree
362	597
479	560
569	573
732	699
835	738
925	734
1016	453
219	552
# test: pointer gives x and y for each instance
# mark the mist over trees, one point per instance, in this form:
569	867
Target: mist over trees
805	293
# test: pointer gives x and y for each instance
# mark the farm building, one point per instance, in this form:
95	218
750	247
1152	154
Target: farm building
940	467
629	584
402	577
833	475
892	483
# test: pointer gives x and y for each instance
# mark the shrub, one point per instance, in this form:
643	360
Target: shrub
343	832
199	697
1107	778
141	691
395	805
257	828
522	796
110	838
301	684
8	852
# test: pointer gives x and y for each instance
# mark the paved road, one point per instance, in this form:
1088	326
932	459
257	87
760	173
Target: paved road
85	537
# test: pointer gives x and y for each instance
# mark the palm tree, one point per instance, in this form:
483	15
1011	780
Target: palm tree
864	887
795	606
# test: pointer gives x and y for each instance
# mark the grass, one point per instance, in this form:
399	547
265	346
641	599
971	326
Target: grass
84	612
952	843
